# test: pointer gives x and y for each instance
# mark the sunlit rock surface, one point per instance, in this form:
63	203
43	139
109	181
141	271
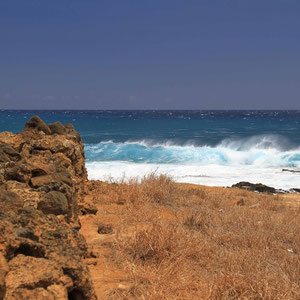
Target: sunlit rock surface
42	176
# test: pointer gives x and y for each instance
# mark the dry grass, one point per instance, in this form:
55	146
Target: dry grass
189	242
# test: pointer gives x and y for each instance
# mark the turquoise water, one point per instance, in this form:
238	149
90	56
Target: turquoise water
205	147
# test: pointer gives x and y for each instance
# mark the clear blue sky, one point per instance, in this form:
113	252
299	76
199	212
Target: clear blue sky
138	54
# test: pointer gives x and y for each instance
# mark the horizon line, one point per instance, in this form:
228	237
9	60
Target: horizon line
149	109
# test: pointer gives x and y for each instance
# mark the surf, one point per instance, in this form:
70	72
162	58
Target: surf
255	159
263	151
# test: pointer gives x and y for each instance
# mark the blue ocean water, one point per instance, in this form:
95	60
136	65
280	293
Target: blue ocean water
203	147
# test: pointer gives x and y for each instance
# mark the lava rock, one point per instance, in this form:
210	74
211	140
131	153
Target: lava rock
255	187
42	176
48	179
57	128
9	151
19	172
54	203
37	124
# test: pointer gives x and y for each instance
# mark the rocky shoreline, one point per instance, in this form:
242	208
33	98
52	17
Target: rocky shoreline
42	176
43	182
261	188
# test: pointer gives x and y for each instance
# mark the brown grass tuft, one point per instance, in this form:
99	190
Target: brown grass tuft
160	189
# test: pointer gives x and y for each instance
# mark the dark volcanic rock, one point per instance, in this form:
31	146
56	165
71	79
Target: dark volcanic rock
42	175
257	187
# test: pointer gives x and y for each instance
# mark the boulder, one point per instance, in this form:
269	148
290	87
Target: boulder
37	124
9	200
57	128
3	157
69	126
32	277
71	130
19	172
255	187
52	178
7	150
54	203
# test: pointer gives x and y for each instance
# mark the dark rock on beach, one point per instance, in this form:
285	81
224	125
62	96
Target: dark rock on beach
42	178
255	187
291	171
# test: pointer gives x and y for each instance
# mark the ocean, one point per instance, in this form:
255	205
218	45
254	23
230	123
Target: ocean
214	148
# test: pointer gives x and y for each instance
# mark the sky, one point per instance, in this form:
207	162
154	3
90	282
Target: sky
150	54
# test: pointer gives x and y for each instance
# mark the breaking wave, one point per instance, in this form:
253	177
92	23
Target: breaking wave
263	151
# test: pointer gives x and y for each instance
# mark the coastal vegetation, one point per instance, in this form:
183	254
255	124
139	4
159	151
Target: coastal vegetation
183	241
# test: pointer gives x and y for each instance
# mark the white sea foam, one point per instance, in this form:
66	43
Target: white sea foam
211	175
256	159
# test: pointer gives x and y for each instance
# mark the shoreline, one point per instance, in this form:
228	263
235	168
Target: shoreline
84	238
211	175
247	185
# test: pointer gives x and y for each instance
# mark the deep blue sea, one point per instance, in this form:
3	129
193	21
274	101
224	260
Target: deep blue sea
216	148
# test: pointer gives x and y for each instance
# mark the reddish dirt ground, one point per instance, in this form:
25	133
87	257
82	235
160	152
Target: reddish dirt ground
106	274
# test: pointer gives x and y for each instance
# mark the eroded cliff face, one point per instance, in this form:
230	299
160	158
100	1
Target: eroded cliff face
42	175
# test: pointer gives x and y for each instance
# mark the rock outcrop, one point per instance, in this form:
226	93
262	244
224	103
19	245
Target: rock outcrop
255	187
42	176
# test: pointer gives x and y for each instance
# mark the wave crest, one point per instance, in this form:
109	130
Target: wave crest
264	151
262	142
